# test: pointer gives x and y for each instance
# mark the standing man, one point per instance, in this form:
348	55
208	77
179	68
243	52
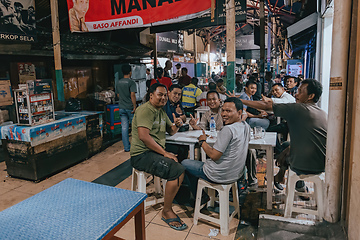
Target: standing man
148	74
167	68
185	79
125	89
178	71
228	155
268	84
308	130
220	88
161	79
148	149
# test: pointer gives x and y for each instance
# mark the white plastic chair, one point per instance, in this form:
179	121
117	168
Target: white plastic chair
138	184
223	190
318	180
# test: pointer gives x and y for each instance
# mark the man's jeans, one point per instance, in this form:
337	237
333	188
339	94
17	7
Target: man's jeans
259	122
194	171
126	117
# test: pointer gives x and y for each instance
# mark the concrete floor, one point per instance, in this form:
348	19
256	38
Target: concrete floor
111	167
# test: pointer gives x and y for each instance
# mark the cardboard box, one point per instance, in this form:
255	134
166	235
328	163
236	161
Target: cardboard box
6	97
4	116
83	83
73	87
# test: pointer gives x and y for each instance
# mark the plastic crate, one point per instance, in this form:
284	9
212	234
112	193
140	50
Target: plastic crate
114	129
112	114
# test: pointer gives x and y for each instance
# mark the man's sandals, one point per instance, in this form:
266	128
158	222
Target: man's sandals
177	219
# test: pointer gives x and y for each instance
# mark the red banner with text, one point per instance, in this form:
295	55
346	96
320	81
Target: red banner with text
105	15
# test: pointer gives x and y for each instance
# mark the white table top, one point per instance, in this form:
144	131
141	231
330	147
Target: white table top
189	137
202	108
192	138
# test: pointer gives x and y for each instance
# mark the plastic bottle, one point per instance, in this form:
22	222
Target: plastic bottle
212	125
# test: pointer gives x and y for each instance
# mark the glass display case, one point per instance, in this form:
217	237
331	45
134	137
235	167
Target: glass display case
34	102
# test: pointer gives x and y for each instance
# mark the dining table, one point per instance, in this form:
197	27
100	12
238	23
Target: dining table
74	209
267	143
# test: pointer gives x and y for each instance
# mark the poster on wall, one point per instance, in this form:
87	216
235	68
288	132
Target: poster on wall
17	21
26	72
295	67
94	15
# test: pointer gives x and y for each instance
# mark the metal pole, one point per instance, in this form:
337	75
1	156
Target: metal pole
230	45
209	58
155	56
195	53
57	49
269	43
262	42
336	116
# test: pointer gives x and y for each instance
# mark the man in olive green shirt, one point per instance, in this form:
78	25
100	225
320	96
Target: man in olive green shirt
150	123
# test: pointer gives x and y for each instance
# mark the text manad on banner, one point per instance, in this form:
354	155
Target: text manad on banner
17	21
105	15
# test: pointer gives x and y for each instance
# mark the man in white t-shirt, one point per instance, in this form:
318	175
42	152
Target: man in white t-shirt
280	95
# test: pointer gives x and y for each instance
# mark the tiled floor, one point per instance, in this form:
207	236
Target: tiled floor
13	190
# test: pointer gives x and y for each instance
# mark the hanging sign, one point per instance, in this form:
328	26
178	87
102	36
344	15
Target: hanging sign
205	19
105	15
17	21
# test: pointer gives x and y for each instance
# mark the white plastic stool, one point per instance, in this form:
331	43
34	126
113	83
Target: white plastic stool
318	180
138	184
223	190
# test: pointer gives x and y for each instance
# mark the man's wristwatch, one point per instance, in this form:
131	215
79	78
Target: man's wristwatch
201	142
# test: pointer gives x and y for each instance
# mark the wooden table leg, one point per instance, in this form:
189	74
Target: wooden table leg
139	216
140	223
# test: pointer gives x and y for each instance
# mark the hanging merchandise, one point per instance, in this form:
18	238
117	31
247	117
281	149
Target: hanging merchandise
34	103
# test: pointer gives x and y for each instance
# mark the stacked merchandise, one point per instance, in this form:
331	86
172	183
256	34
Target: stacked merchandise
113	124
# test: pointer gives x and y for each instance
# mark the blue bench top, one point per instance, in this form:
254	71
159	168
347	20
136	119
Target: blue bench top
71	209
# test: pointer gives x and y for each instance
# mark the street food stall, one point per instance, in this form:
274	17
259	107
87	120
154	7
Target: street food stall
43	141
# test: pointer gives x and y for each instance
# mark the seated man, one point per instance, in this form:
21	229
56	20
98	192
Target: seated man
255	118
228	155
280	95
308	130
173	107
212	87
291	85
184	79
148	149
220	88
189	94
213	101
